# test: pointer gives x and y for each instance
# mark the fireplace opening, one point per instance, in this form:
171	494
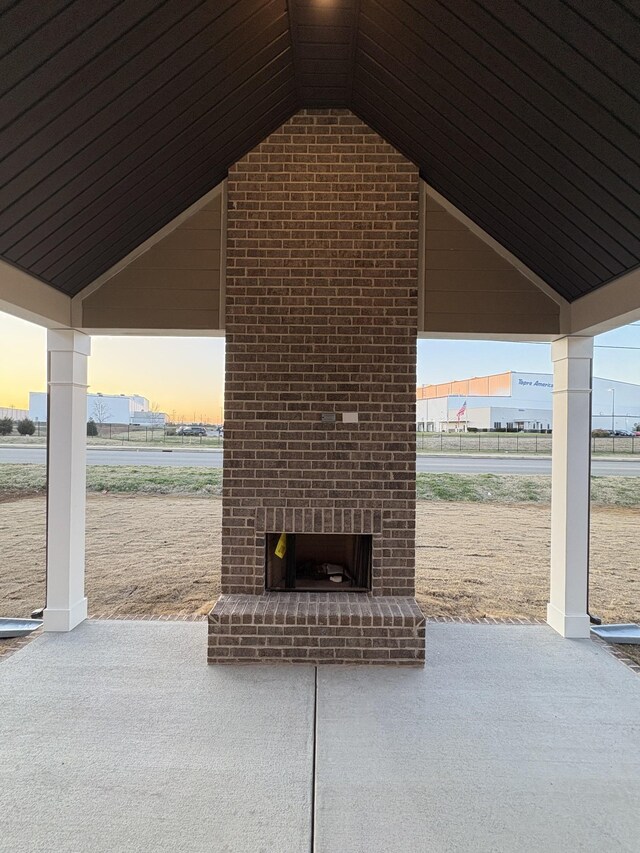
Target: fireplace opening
318	562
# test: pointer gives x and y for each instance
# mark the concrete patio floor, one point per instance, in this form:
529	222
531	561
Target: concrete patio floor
118	737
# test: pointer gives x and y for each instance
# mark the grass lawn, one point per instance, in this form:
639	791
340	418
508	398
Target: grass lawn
474	488
123	479
123	439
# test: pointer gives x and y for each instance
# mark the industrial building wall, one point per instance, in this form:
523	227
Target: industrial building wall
615	405
495	385
108	409
102	408
13	413
511	417
529	404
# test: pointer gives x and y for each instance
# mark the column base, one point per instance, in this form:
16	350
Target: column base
571	627
65	620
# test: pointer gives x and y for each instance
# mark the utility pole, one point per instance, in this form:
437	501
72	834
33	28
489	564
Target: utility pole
613	409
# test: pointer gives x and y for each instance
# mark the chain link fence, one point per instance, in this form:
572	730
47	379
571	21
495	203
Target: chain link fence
509	443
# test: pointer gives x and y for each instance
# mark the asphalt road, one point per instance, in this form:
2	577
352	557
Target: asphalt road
213	459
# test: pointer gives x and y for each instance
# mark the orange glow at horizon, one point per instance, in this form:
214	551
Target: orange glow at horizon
183	377
23	361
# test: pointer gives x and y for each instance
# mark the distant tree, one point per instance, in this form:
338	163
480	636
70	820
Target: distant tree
6	426
26	427
156	415
100	412
92	427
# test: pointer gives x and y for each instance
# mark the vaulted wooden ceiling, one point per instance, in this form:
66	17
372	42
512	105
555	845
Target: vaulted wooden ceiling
117	115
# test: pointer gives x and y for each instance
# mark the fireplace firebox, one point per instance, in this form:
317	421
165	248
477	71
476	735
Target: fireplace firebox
318	562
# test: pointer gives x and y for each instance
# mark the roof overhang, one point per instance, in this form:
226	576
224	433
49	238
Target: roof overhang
29	299
611	306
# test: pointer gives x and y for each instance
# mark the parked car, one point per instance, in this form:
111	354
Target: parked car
191	430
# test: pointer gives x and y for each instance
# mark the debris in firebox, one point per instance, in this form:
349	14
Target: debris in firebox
335	573
331	569
322	571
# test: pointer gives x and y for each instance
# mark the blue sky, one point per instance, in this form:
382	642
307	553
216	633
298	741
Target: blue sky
616	356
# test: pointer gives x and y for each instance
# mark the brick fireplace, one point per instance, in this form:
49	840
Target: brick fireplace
321	326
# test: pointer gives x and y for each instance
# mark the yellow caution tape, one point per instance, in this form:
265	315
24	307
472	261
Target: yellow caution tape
281	547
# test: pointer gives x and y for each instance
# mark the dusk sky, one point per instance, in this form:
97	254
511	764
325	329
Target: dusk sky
184	376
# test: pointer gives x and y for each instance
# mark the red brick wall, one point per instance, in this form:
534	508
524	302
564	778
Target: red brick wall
321	316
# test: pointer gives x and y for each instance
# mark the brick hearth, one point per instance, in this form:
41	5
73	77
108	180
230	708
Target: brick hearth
321	319
315	627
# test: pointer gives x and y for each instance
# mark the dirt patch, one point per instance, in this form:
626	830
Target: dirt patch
144	554
161	554
488	560
8	496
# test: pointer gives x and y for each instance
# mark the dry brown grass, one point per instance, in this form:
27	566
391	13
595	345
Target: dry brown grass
161	554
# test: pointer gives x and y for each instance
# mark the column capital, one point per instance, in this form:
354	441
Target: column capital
572	346
68	340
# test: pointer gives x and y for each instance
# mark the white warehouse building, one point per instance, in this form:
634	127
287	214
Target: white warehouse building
124	409
518	401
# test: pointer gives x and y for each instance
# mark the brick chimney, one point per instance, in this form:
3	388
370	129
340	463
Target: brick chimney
321	328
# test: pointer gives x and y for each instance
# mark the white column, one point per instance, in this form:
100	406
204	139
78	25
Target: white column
570	486
68	351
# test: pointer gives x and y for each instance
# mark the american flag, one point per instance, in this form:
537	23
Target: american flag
461	410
